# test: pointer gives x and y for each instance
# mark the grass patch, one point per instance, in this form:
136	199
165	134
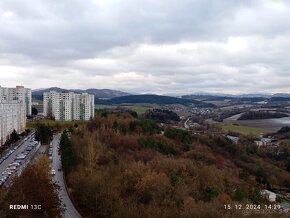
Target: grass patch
103	106
53	123
246	130
211	121
140	109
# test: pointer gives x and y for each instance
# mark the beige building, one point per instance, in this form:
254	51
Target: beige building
15	104
68	105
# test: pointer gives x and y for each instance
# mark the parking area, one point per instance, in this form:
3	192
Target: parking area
14	162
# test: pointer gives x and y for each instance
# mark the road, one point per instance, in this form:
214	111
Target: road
185	124
12	157
70	210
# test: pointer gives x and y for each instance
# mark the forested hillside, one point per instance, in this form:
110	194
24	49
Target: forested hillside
118	166
256	115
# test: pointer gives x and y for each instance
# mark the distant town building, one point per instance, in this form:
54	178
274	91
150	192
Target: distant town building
234	139
68	105
15	104
269	141
270	196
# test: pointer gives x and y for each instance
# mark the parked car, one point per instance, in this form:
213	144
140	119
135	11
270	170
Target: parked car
11	168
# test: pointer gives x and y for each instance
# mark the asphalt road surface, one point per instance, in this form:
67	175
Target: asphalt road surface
70	210
185	124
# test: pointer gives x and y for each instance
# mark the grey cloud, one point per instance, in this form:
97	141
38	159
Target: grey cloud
147	46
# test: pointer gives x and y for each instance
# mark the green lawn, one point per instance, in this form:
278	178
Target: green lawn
244	129
211	121
140	109
102	106
53	123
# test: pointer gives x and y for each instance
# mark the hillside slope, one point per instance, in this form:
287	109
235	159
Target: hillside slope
98	93
119	166
153	99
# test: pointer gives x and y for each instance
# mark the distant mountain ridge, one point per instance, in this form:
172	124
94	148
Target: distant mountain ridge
251	95
98	93
153	99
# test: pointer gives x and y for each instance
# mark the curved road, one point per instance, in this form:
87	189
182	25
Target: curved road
70	210
185	124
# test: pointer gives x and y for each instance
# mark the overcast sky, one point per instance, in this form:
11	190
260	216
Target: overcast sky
172	46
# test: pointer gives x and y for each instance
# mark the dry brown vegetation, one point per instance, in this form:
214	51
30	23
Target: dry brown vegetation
33	187
123	170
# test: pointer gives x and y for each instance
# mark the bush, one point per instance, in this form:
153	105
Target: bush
178	134
209	193
158	145
239	194
147	126
14	136
185	147
261	176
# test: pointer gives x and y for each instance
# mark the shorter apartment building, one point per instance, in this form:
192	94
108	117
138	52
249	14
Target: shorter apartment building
68	105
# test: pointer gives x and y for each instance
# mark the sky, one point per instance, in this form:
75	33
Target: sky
172	46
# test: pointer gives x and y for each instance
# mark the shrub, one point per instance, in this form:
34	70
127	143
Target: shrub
178	134
209	193
158	145
147	126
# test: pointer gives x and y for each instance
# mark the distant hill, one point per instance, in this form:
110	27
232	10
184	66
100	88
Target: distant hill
258	115
242	96
207	97
98	93
153	99
280	99
284	95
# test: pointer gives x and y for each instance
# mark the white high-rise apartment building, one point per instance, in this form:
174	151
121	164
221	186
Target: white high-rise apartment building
18	94
15	104
68	105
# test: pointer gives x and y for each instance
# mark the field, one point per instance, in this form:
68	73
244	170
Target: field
53	123
211	121
244	129
103	106
140	109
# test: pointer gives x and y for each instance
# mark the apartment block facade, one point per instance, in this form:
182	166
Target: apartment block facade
68	105
19	95
15	104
